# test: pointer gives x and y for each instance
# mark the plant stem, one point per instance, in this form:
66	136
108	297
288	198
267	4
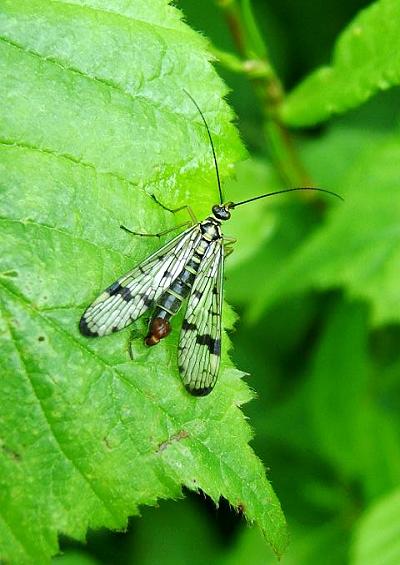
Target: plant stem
268	87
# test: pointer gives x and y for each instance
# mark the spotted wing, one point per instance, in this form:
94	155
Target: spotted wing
200	339
131	295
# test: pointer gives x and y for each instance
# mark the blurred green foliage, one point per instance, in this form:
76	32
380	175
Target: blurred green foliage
317	290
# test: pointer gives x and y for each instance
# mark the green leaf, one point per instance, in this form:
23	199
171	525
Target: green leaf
309	546
338	385
364	62
363	443
358	248
176	525
377	536
264	230
250	225
379	462
93	121
74	558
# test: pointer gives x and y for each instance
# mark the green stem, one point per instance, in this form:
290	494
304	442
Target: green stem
268	87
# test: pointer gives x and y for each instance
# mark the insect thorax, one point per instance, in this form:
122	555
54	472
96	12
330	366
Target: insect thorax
210	229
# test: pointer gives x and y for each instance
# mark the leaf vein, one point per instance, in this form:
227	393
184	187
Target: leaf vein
110	84
151	180
133	385
75	160
63	232
48	421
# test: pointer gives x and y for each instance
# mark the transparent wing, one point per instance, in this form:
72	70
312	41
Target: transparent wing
131	295
200	340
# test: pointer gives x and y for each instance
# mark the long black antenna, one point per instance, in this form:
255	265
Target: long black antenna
235	204
211	142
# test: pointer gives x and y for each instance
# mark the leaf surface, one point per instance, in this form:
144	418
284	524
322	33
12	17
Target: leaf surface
364	62
94	120
377	535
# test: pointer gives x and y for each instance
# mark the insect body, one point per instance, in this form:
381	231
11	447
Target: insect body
190	266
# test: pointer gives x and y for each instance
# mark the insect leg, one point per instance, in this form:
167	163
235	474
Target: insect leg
228	245
193	218
159	234
135	333
189	211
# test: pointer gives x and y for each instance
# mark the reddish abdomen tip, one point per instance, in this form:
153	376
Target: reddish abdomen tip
158	329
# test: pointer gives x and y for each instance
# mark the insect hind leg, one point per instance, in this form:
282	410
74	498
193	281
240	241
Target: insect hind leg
136	333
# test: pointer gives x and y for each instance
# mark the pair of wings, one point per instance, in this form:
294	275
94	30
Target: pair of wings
131	295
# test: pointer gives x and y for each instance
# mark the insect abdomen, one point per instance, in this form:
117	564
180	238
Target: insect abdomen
171	300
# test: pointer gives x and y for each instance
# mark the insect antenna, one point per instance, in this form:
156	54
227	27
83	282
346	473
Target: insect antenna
221	200
235	204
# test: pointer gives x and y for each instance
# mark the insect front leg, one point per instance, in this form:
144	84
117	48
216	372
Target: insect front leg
193	219
228	245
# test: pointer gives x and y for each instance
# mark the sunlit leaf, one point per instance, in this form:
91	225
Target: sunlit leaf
93	121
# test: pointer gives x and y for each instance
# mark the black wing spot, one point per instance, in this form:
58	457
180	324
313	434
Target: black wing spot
84	328
114	288
197	294
199	391
214	345
146	300
217	347
188	326
125	294
123	291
